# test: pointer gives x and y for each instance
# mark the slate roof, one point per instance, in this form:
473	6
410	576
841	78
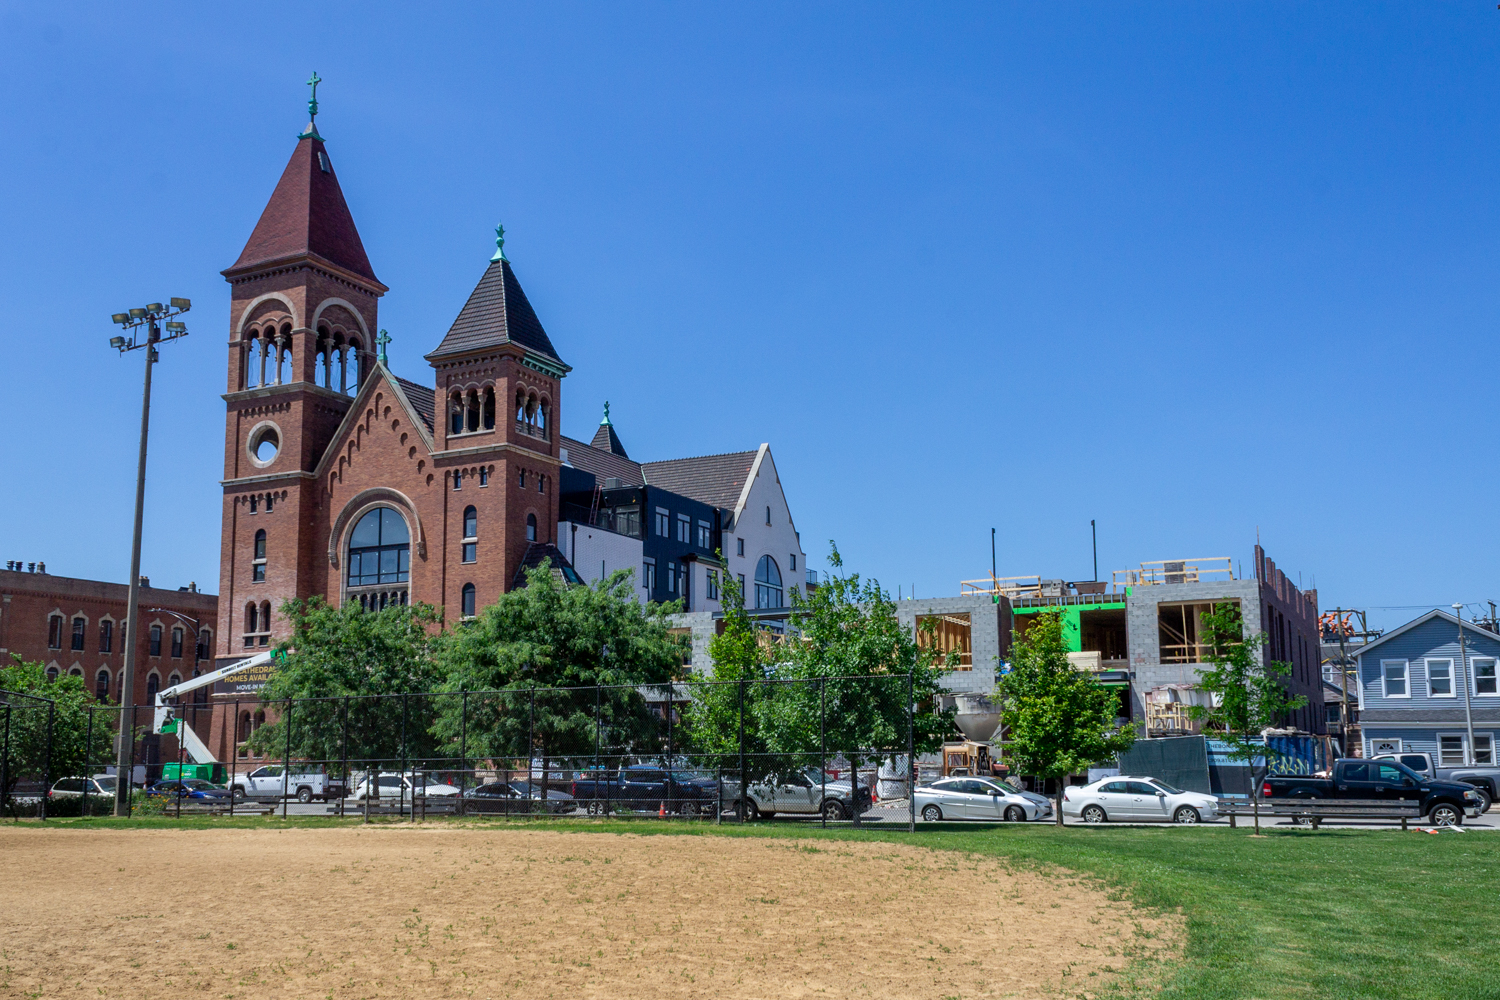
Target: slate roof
602	464
545	553
606	439
307	216
716	480
497	313
423	399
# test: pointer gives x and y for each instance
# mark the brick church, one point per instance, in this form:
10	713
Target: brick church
344	480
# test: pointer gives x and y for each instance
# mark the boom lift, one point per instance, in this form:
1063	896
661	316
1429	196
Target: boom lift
165	719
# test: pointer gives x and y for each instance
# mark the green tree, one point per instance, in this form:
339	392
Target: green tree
851	649
722	722
539	652
1250	691
367	657
1059	720
72	752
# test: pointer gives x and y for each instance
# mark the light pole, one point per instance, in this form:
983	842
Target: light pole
145	326
1458	610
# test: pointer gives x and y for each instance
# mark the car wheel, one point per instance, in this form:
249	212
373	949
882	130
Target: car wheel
746	811
1186	814
931	813
1484	799
1444	814
835	811
688	808
239	794
304	795
595	807
1015	814
1094	814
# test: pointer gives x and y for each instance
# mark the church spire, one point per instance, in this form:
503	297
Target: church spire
312	109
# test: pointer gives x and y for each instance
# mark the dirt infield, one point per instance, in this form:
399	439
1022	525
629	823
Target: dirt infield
485	913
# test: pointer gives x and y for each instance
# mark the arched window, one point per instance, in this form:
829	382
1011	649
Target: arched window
153	685
155	640
380	551
174	680
244	726
471	406
471	535
75	671
200	696
101	684
54	632
106	636
767	583
531	527
52	673
468	600
541	416
520	406
79	625
265	623
177	643
205	644
456	414
489	409
252	624
258	561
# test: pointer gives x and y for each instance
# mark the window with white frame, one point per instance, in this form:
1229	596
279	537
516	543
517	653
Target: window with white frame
712	585
1440	678
1393	673
1484	748
705	535
1451	750
1484	676
684	528
663	523
1378	747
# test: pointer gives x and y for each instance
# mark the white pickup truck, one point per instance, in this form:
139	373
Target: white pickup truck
272	782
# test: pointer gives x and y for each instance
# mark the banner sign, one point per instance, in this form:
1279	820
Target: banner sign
248	681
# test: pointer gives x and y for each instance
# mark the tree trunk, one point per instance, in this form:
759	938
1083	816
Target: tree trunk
1057	809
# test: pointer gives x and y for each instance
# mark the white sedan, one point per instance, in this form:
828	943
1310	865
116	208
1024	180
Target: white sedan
1136	800
974	798
390	785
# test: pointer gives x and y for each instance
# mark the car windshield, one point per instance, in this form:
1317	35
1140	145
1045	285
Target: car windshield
1166	787
198	784
106	783
684	777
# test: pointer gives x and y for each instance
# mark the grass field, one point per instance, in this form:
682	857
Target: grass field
1333	914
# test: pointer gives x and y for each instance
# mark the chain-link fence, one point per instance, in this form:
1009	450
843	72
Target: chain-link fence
26	735
697	750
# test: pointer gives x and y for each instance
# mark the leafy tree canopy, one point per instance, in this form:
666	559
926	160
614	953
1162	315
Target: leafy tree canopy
72	754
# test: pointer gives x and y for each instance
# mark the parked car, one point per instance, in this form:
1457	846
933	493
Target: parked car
805	793
68	788
1445	803
270	782
1012	784
647	787
1135	800
392	785
189	788
974	798
518	797
1484	777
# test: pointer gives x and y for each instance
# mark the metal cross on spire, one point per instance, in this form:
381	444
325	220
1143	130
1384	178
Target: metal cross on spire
312	108
606	414
499	245
381	340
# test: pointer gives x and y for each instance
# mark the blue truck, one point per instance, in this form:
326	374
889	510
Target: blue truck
645	788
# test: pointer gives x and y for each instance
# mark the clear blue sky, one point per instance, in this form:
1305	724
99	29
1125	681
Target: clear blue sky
1191	270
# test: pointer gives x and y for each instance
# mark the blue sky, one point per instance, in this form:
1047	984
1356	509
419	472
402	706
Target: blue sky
1191	270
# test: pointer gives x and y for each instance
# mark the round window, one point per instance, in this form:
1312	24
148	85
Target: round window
264	445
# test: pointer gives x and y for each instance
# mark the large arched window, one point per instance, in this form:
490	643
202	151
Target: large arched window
153	685
101	684
767	583
468	600
531	527
379	556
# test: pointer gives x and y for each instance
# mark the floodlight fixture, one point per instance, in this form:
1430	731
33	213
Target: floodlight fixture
137	314
183	304
117	342
154	308
120	318
175	327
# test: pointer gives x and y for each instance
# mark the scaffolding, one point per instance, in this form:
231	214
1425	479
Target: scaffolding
1170	571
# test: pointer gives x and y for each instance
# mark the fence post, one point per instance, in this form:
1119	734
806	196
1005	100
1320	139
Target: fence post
531	749
181	760
463	745
345	759
744	802
823	750
401	802
911	755
88	743
47	759
130	775
598	739
286	757
671	692
234	754
5	763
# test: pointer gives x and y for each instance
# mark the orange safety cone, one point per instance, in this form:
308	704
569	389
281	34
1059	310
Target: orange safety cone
662	809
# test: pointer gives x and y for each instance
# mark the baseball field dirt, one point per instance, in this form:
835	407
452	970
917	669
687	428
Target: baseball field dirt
487	913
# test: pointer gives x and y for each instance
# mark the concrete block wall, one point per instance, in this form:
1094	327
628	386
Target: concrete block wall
989	639
1143	638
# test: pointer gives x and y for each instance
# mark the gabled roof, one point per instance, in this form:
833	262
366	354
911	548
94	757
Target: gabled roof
1424	619
307	217
717	480
423	399
602	464
497	313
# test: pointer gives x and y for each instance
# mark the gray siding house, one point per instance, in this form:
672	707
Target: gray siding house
1418	691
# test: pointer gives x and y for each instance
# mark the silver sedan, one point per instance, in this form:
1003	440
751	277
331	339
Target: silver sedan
974	798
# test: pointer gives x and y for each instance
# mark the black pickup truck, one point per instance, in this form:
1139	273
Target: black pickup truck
1443	802
645	787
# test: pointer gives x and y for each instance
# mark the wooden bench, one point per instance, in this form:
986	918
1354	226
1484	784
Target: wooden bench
219	809
1314	811
437	805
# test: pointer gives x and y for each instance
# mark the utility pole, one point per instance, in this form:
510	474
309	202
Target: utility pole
147	332
1458	609
1094	533
994	580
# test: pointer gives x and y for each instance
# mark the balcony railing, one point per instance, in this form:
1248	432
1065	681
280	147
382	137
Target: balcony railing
1170	571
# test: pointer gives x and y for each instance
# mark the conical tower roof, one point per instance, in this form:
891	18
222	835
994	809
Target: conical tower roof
605	438
307	217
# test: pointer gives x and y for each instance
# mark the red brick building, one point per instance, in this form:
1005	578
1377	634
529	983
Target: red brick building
342	479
